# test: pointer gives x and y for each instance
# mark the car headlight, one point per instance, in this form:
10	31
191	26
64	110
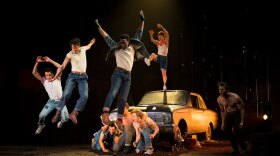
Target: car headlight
166	118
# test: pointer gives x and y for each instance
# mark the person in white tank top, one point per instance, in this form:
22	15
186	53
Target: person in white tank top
54	90
161	56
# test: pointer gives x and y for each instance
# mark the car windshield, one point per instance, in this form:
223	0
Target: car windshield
169	97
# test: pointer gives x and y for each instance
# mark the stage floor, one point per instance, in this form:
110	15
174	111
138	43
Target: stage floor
207	148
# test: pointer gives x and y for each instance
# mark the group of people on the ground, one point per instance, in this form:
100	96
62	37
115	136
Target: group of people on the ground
131	129
138	133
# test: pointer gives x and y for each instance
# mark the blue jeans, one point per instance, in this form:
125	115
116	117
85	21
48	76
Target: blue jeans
162	60
145	140
50	106
120	81
96	145
72	81
125	138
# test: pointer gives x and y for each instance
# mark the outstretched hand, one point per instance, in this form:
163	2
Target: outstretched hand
97	23
142	15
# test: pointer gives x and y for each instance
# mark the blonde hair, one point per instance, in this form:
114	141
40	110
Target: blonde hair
138	113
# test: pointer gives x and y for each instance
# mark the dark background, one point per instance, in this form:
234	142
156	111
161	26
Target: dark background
210	41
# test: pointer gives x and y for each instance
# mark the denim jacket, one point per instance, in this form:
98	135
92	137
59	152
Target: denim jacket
139	47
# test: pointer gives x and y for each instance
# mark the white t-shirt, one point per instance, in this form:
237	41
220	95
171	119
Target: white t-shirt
78	60
54	88
125	58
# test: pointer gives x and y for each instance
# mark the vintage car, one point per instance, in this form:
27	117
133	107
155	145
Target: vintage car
178	113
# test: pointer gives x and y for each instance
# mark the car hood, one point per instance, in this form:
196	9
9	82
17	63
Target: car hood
156	108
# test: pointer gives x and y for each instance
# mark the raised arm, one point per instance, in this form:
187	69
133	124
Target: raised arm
139	31
57	65
35	68
109	41
166	34
47	59
151	32
59	70
92	41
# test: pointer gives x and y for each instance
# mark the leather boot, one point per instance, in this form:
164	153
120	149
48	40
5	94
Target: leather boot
73	117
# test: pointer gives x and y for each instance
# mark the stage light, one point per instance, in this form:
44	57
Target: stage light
265	116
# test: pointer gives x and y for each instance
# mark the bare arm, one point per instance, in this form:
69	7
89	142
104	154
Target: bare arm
166	34
57	65
154	126
92	41
242	112
35	68
151	32
138	136
101	142
223	113
59	70
47	59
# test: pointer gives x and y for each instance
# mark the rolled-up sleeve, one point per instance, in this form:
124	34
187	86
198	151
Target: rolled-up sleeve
110	42
138	34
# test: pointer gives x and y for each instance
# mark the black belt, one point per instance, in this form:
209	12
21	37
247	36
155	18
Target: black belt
79	73
122	70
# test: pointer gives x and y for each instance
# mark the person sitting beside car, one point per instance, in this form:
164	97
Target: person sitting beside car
146	130
105	138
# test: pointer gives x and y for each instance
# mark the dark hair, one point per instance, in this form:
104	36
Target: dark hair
75	41
112	124
223	84
48	70
124	36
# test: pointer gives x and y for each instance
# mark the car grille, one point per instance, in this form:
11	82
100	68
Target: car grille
160	118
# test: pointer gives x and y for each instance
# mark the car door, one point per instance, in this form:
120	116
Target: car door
197	114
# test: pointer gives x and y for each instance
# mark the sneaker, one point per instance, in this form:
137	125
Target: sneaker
164	87
150	150
39	129
138	151
56	116
73	117
147	61
59	124
105	118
